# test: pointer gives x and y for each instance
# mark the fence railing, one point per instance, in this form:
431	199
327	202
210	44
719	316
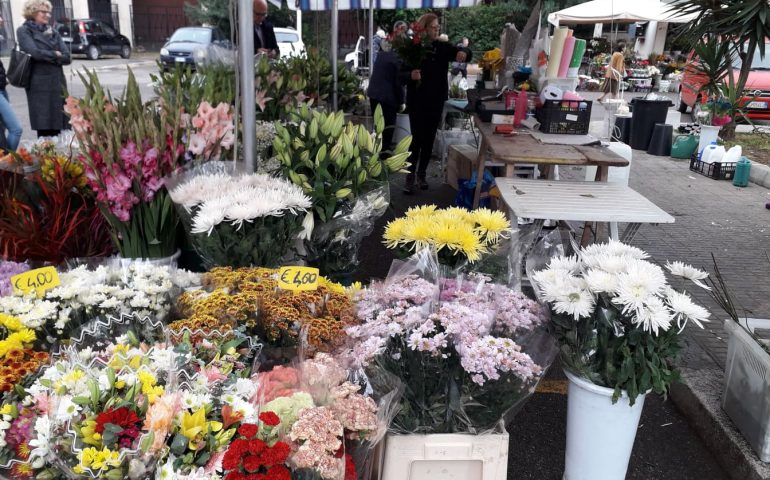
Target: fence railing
153	25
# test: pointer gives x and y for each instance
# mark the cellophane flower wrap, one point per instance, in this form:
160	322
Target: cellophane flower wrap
128	147
616	317
102	396
236	219
85	292
321	410
457	235
468	351
9	269
342	168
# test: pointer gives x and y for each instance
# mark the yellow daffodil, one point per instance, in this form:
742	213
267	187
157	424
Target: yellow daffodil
93	459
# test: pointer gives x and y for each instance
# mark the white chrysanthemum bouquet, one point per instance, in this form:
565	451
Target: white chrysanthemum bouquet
240	220
616	317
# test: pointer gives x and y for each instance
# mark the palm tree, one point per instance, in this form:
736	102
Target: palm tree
741	24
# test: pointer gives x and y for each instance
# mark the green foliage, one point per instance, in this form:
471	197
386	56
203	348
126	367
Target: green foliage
182	86
609	350
333	162
483	24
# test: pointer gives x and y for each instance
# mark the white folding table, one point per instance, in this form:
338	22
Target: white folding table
580	202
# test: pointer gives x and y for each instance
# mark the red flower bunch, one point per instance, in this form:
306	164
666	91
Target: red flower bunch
412	46
123	418
249	458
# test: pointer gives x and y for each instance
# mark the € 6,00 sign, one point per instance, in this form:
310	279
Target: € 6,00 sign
298	279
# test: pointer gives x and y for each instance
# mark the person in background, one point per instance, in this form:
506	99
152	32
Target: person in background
461	67
264	35
616	70
377	39
427	90
47	84
11	125
386	90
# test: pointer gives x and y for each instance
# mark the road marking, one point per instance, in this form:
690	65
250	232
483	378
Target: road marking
552	386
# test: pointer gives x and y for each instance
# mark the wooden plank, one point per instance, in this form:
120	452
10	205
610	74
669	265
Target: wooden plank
602	156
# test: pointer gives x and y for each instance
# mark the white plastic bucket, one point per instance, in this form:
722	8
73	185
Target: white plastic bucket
600	434
708	134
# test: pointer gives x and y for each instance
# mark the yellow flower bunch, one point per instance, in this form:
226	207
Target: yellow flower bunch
19	338
95	460
453	232
72	168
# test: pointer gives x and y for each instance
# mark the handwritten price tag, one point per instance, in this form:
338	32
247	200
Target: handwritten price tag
39	280
298	279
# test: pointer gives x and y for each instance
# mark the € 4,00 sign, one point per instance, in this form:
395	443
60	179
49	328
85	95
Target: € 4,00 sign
298	279
38	280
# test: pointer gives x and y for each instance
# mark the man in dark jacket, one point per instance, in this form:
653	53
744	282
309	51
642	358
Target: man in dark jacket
264	35
386	90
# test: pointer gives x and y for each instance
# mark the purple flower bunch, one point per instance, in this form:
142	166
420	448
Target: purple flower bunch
8	270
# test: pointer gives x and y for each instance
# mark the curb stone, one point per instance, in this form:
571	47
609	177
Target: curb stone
698	397
760	174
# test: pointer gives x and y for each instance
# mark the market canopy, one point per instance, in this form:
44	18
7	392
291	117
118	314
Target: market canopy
618	11
319	5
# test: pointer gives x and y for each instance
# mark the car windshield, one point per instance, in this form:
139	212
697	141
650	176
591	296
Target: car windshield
758	63
193	35
286	37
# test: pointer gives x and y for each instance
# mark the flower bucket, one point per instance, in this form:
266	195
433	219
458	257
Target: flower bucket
170	261
600	434
448	456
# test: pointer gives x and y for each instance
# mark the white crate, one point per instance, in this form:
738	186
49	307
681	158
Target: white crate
746	397
564	84
446	457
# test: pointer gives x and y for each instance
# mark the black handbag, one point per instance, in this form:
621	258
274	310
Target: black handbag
19	68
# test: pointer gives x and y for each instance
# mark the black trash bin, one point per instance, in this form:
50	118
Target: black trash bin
622	130
645	114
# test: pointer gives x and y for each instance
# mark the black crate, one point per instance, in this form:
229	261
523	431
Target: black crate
716	170
564	116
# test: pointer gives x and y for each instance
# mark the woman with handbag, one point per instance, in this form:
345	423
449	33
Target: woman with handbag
47	84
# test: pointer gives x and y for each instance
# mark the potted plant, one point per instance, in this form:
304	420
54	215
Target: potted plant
340	167
617	322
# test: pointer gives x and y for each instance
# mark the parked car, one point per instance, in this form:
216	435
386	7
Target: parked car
93	38
756	98
191	45
289	42
359	57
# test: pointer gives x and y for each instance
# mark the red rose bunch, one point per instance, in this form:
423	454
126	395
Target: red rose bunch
249	458
125	428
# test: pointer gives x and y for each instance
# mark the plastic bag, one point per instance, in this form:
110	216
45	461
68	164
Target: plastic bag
467	190
238	219
333	246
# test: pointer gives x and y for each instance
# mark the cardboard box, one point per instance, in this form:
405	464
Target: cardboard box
461	161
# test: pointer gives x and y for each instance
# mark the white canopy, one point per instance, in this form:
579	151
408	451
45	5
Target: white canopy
618	11
307	5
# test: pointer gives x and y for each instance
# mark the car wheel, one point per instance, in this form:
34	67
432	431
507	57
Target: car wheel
93	52
125	52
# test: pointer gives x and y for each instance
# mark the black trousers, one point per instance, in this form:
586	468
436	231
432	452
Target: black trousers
48	133
389	114
423	121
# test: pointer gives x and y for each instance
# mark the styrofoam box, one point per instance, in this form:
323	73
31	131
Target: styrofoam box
746	397
446	457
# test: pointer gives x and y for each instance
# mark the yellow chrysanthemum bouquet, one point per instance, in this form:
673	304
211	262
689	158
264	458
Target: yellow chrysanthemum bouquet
457	235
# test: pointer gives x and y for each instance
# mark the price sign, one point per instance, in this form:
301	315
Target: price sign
39	280
298	279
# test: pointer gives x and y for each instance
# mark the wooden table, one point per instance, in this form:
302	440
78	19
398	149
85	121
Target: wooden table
521	147
580	202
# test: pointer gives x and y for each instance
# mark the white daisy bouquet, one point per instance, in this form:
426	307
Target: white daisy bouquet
239	220
616	317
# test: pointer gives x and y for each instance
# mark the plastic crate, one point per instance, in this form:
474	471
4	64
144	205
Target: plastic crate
746	396
716	170
564	116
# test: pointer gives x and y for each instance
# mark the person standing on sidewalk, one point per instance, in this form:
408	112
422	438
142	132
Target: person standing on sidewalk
616	70
386	90
11	125
426	93
47	83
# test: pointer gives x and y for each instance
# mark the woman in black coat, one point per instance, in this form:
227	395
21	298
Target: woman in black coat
47	85
386	90
426	93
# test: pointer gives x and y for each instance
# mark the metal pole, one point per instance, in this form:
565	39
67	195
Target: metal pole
246	65
371	37
299	23
335	51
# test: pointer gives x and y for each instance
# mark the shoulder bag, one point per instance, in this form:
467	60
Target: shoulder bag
19	68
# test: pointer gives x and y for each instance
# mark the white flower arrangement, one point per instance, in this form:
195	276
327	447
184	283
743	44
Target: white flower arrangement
259	213
637	287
